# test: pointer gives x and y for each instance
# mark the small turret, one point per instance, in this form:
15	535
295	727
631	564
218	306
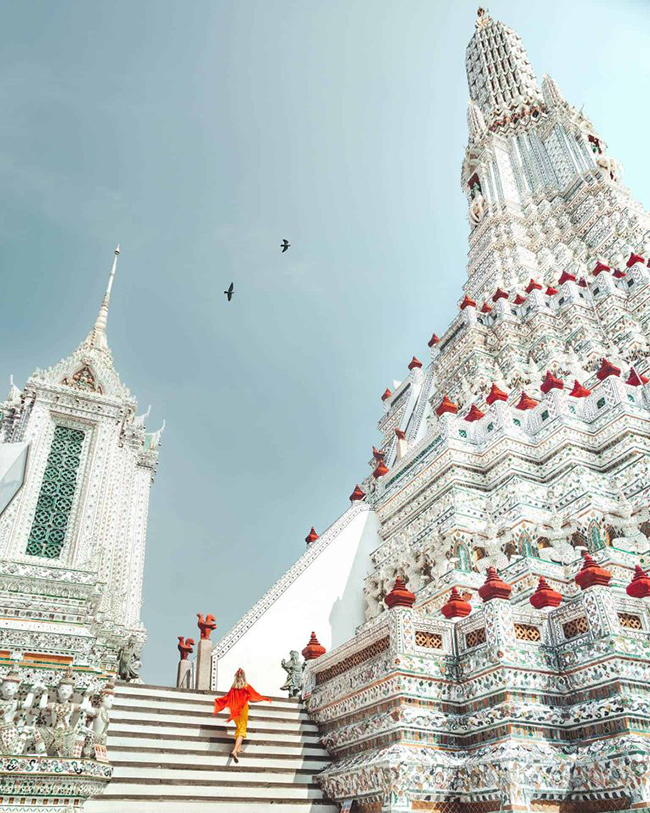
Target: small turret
551	92
475	122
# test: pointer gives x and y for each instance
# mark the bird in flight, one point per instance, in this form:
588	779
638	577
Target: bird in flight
284	245
230	291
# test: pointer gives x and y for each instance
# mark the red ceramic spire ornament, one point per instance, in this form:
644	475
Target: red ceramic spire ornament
381	469
550	382
467	303
633	259
446	406
636	380
357	495
599	267
486	308
314	649
607	369
474	414
566	277
579	391
526	402
519	300
551	291
433	340
544	596
496	394
456	607
401	435
639	587
500	294
386	395
592	574
415	363
533	286
400	595
312	536
494	586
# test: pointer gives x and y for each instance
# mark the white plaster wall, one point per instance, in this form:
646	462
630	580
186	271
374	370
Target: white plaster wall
13	461
326	597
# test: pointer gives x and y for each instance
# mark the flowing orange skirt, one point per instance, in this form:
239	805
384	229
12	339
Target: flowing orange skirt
241	723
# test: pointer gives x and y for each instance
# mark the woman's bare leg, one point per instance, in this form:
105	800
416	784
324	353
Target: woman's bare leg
235	750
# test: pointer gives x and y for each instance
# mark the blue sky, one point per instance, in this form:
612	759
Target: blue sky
200	134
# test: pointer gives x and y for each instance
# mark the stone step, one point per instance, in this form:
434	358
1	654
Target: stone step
215	744
142	690
173	757
184	730
294	711
144	787
111	804
228	771
166	717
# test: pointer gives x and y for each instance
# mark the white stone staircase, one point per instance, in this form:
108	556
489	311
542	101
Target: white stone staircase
171	755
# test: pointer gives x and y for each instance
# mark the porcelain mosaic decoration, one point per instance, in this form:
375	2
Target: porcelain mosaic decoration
72	545
521	446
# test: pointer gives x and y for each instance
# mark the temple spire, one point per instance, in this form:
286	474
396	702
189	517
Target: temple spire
97	336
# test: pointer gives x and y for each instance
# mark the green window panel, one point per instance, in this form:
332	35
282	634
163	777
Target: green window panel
57	491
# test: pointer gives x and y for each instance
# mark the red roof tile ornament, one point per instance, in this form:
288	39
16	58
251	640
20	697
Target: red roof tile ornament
485	308
400	595
607	369
618	274
474	414
636	380
387	394
500	294
566	277
582	282
206	626
467	303
414	363
312	536
401	434
533	286
433	340
314	649
494	587
592	574
456	607
579	391
599	267
639	587
378	454
544	596
526	402
357	495
550	382
381	469
496	394
551	291
446	406
633	259
185	647
519	299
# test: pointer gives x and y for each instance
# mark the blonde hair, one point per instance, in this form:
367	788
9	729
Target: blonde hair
240	679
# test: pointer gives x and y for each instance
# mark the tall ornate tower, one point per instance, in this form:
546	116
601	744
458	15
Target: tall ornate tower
520	446
72	540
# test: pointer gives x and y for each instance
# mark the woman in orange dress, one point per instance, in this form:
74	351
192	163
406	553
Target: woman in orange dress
237	700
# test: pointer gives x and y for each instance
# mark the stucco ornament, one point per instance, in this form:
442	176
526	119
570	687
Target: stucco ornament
477	208
129	661
294	667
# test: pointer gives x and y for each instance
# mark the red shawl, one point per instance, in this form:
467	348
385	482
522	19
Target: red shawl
236	699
